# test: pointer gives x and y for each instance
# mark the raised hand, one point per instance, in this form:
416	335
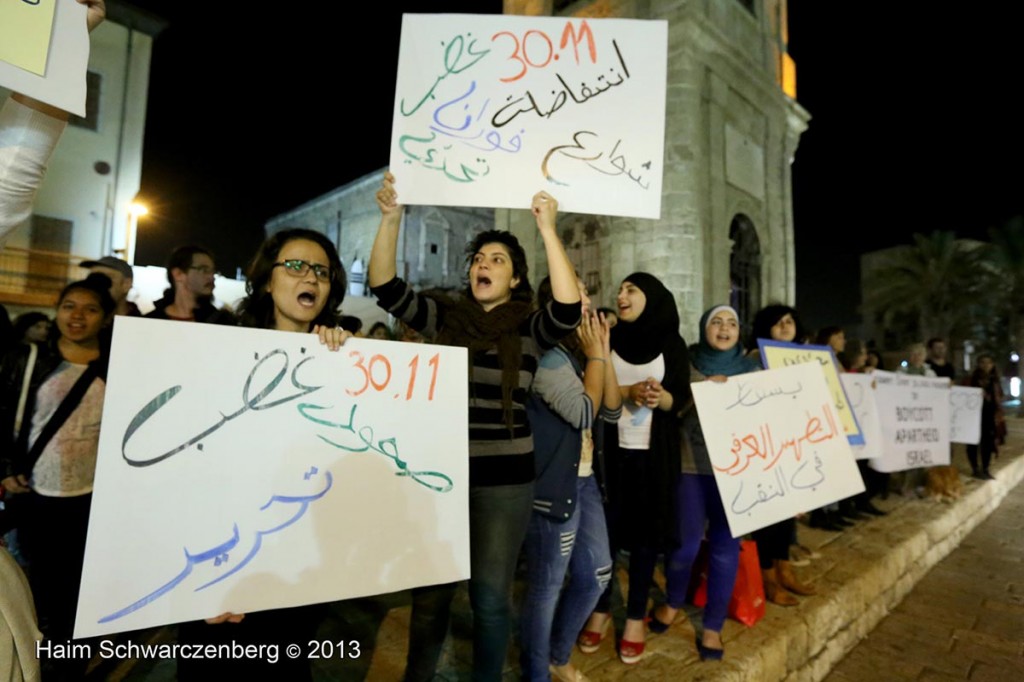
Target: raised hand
589	333
545	210
387	197
96	14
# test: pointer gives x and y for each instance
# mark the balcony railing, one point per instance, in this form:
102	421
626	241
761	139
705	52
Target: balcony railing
35	278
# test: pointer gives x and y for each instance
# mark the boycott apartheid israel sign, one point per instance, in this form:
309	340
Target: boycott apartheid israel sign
914	415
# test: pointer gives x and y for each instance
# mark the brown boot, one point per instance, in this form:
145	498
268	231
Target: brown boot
784	572
774	592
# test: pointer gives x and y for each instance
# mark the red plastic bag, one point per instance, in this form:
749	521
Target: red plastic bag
747	604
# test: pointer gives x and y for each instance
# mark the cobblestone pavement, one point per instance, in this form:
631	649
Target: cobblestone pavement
963	621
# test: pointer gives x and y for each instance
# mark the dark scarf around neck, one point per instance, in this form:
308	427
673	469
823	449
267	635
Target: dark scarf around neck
468	325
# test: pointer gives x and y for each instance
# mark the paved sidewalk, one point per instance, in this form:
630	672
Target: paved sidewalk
915	595
963	621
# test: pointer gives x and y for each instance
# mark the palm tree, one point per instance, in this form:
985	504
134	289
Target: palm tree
934	284
1008	257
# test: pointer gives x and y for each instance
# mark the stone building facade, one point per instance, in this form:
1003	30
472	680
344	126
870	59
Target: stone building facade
431	252
726	227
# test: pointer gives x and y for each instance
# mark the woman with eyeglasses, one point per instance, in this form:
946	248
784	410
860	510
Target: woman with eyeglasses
295	283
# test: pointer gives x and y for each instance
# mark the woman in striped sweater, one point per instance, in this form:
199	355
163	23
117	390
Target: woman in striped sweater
505	336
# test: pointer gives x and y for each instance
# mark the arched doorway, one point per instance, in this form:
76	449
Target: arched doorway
744	270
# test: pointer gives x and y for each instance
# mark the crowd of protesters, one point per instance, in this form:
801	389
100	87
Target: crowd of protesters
584	441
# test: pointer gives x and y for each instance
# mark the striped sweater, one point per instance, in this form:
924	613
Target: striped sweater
496	455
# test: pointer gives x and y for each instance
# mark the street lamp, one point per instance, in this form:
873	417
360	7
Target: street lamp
135	210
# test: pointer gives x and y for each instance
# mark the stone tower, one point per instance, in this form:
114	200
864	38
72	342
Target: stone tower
732	129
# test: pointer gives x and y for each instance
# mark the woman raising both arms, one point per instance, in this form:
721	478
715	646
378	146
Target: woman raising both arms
505	336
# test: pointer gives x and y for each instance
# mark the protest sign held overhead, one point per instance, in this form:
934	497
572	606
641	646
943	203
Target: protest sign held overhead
489	109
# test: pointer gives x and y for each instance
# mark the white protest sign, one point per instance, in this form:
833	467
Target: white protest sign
244	469
965	414
861	392
776	444
914	414
63	84
491	109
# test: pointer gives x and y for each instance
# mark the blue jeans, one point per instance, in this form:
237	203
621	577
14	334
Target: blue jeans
549	624
498	518
697	503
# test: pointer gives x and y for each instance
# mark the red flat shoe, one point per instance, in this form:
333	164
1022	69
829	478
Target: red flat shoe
630	653
589	641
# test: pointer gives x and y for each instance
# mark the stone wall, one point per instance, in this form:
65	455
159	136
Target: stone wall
431	250
731	135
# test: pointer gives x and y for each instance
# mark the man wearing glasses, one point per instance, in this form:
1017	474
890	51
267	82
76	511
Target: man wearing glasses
190	272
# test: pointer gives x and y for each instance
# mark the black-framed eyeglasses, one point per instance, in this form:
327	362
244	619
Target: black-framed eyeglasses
299	268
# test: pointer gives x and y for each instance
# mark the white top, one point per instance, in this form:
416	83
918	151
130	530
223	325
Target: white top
67	464
27	139
635	423
586	454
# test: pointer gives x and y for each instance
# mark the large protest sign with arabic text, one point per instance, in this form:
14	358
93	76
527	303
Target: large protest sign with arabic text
241	470
491	109
778	354
914	414
776	445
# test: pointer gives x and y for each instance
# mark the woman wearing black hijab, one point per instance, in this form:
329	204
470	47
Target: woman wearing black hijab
643	449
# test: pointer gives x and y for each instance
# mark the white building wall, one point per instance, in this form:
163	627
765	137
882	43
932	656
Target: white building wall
97	205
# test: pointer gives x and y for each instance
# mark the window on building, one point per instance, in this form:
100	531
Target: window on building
91	120
744	270
748	5
49	246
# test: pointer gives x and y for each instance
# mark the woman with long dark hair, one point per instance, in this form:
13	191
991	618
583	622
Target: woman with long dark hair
779	322
496	321
295	283
52	401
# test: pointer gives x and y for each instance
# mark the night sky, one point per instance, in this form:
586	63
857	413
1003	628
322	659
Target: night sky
246	123
914	126
913	130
